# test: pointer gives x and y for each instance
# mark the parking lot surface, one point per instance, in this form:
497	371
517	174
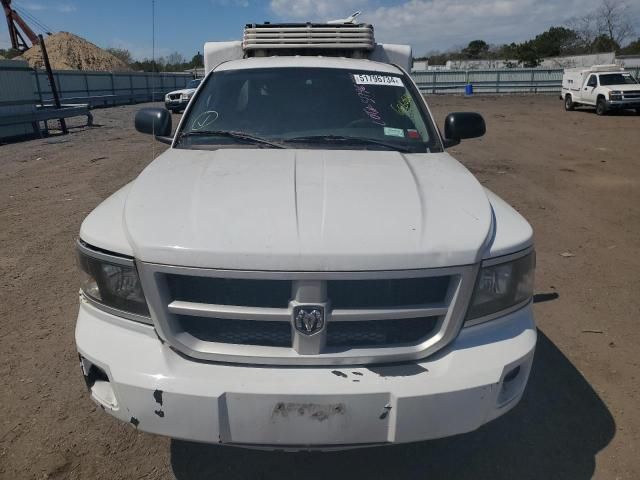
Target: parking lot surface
575	176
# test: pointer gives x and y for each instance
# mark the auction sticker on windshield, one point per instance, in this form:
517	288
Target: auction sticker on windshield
366	79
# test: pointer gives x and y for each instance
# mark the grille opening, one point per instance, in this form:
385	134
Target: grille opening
230	291
380	333
239	332
387	293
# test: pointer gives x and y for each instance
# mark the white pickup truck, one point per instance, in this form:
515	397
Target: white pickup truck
605	87
306	267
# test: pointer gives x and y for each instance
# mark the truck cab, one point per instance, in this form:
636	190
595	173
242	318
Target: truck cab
306	267
605	87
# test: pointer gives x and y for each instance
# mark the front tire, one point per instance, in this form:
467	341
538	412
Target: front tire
601	106
568	103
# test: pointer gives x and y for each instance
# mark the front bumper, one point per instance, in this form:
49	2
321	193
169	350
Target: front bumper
623	104
176	104
477	378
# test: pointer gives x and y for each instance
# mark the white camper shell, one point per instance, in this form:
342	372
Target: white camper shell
605	87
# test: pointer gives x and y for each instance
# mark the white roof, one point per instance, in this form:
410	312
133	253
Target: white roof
308	61
597	69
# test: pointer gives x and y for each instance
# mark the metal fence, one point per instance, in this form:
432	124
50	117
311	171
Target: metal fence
508	80
16	98
26	99
106	88
24	91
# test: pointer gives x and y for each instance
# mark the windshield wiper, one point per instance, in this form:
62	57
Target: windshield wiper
231	134
347	139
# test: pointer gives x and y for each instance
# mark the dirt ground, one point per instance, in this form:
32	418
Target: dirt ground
575	176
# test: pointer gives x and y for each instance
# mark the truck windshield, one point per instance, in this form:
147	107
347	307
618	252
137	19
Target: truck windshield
307	108
617	79
193	83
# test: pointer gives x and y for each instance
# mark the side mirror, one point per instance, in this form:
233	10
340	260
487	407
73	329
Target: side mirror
154	121
460	125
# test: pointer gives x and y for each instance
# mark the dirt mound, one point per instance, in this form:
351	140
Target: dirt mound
70	52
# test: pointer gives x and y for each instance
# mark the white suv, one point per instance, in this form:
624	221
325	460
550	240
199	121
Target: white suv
178	100
306	268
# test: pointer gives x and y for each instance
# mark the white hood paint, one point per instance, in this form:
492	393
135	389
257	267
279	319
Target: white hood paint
307	210
624	87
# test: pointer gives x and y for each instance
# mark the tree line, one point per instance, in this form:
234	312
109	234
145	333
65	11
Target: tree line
174	62
605	29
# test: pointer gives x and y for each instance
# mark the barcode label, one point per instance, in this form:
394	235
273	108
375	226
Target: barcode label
366	79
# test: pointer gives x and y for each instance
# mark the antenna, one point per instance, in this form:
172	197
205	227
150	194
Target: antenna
153	72
153	49
350	19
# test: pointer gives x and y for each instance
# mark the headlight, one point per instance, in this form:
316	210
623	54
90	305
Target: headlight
501	286
112	282
615	95
186	96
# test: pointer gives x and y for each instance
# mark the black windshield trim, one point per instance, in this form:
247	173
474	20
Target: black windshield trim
347	139
229	134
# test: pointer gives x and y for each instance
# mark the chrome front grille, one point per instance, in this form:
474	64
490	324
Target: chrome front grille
247	317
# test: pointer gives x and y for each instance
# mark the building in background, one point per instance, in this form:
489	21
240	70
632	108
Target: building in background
629	61
574	61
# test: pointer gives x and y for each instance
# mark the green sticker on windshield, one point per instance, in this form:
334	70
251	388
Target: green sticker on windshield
394	132
403	106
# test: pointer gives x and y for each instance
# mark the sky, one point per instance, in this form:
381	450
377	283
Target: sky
185	26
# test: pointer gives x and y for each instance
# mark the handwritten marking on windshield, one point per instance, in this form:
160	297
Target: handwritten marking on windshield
204	119
366	98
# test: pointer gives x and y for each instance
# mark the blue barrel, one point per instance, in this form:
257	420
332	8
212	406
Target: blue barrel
468	89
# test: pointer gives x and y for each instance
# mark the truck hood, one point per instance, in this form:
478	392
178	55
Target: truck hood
623	88
307	210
